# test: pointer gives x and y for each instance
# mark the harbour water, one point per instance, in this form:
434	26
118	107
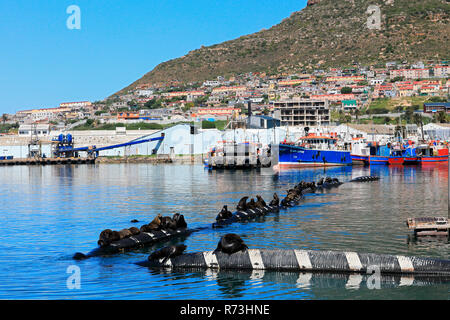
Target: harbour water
49	213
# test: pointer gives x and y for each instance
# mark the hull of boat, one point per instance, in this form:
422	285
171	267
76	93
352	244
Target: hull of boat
298	157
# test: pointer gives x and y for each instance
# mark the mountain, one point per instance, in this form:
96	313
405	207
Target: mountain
325	33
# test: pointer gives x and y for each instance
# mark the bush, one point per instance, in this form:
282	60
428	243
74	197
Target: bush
346	90
208	125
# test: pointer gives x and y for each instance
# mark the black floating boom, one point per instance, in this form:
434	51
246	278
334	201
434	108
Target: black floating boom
148	238
258	212
140	240
307	260
365	179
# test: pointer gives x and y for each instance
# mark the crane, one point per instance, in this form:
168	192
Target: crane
64	146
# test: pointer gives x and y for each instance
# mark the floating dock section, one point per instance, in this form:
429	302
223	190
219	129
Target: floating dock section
307	260
429	226
45	161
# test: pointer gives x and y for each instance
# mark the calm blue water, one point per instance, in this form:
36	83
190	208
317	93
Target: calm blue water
49	213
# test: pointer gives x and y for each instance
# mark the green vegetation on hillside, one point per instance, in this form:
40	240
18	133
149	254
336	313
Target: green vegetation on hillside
330	33
91	125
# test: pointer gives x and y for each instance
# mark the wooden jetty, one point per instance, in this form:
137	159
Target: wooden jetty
45	161
429	226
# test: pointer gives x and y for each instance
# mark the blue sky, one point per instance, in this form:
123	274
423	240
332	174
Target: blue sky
43	63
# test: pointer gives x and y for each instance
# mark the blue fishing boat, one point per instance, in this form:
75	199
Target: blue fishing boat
313	151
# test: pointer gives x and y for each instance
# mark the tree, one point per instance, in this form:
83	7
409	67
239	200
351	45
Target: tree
132	103
409	113
357	113
399	108
441	117
188	106
4	118
398	78
346	90
153	104
418	120
208	125
437	99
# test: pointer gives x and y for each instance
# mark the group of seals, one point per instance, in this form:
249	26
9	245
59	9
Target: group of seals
165	223
327	180
297	192
243	205
229	244
108	236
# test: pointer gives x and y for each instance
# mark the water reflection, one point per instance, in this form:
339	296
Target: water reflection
51	212
235	283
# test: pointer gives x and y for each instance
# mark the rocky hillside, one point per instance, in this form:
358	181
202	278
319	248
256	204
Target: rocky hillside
325	33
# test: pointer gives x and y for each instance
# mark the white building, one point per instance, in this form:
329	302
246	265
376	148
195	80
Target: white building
26	130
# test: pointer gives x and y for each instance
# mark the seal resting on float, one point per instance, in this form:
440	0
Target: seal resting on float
251	204
242	205
107	236
230	243
167	253
275	201
260	203
168	223
134	231
179	221
224	214
152	226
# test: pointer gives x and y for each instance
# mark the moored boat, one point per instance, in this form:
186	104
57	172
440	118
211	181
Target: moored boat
313	151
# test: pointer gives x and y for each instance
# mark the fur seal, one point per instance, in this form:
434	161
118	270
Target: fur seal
224	214
242	205
167	253
251	204
105	237
260	203
168	223
134	231
275	201
154	225
124	233
134	221
179	221
230	243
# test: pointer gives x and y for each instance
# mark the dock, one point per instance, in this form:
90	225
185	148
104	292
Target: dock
45	161
429	226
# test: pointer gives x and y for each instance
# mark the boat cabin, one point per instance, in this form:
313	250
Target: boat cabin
318	142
